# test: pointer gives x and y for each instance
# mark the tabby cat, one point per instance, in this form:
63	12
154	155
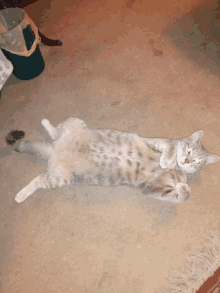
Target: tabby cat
158	167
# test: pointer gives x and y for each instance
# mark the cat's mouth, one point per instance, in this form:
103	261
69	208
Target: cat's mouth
183	165
187	167
183	162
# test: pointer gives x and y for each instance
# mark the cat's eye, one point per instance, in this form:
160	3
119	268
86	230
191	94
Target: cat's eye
197	161
188	150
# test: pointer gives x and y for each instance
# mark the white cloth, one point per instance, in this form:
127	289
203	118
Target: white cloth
6	69
11	31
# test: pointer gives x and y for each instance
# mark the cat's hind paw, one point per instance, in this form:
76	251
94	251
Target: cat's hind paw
183	192
49	128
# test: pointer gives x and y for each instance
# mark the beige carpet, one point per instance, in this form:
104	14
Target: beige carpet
138	78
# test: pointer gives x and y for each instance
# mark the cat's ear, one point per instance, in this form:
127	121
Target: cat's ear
211	159
196	136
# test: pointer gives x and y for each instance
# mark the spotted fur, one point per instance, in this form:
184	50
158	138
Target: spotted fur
78	155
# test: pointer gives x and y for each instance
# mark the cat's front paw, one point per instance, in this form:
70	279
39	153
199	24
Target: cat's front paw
183	191
167	163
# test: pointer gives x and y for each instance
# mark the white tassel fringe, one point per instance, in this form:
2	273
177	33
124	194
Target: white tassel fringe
198	268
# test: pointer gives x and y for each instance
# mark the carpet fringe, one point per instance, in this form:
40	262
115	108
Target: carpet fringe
198	267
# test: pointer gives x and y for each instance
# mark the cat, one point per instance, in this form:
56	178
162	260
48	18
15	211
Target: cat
158	167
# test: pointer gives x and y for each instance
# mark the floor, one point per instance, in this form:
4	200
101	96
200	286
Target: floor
212	284
152	69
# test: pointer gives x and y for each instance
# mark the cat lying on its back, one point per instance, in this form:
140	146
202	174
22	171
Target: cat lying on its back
158	167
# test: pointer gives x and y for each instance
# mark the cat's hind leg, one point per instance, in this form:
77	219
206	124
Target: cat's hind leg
64	128
51	130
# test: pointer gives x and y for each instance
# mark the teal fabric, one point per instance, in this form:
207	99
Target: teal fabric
26	68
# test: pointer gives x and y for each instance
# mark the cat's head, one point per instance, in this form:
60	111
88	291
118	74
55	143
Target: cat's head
190	155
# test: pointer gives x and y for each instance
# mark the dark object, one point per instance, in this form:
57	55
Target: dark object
14	136
28	36
21	4
15	3
48	42
26	68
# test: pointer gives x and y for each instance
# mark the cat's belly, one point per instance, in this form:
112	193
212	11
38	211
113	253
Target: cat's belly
123	165
105	162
